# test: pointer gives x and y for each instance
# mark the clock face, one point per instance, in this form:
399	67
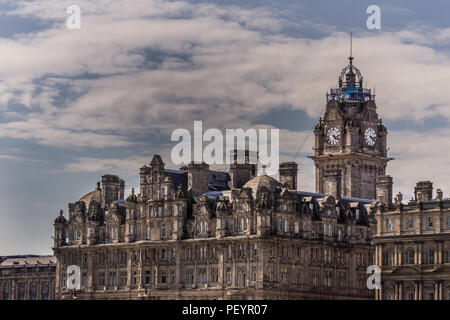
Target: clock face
333	135
370	136
243	206
284	207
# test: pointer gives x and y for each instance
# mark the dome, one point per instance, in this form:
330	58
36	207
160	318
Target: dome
262	181
60	219
95	195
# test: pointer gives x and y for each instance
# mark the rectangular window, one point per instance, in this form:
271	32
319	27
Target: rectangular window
297	227
410	223
430	222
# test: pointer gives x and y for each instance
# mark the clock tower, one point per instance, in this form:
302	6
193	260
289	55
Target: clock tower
350	141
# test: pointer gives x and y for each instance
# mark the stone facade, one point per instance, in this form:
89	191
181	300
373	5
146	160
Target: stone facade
195	233
27	278
260	241
350	141
413	246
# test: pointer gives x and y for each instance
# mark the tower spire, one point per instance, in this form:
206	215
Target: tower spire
351	48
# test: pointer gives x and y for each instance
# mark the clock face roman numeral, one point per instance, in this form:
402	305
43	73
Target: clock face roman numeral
333	135
370	136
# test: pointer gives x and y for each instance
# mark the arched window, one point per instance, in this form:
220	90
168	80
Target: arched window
430	256
410	256
390	257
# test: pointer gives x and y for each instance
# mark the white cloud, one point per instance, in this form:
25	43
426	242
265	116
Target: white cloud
220	64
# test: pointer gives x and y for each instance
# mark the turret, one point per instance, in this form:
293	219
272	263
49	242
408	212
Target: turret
60	230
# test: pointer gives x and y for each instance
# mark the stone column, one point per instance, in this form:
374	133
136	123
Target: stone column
396	291
436	290
221	265
420	291
416	290
178	271
90	276
400	291
129	268
419	254
396	255
416	253
208	252
380	255
439	253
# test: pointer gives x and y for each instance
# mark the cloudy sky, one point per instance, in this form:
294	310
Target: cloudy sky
76	104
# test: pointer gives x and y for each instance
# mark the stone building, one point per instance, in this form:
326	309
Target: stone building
413	245
195	233
350	141
27	277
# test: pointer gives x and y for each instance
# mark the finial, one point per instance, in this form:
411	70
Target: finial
132	191
61	212
98	185
351	48
263	170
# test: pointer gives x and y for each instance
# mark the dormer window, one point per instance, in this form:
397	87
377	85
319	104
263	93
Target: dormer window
180	210
357	214
160	211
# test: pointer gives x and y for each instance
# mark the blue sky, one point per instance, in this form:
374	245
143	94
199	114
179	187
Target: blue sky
76	104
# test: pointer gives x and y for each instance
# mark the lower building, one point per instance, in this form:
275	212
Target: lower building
27	278
188	236
413	246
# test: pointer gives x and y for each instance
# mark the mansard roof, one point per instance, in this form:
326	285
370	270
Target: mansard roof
347	206
178	178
